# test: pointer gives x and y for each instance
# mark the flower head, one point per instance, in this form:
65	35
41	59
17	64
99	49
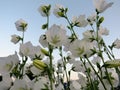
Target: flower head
56	35
15	39
21	25
27	49
43	41
117	43
79	48
80	21
92	18
20	85
103	31
44	10
59	11
102	5
7	63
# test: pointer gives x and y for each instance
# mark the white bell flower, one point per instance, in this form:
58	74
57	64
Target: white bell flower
15	39
96	59
56	35
103	31
38	85
82	79
81	21
44	10
78	66
79	48
57	10
60	87
117	43
20	84
27	49
21	25
7	63
43	41
114	79
75	85
6	82
92	18
102	5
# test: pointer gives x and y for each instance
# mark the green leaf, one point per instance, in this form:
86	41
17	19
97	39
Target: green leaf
112	64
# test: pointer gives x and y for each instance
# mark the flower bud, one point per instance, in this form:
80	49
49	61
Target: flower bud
45	52
39	64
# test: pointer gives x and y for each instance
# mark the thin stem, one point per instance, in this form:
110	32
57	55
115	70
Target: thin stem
64	66
88	73
99	48
71	27
96	74
51	68
50	57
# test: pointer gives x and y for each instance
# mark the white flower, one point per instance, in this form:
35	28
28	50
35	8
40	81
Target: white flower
82	79
91	19
78	66
56	35
60	87
114	79
70	59
88	35
81	21
96	59
36	52
38	85
103	31
117	44
75	85
35	70
6	82
43	41
19	84
15	39
44	10
79	48
27	49
4	86
102	5
66	44
7	63
57	10
21	25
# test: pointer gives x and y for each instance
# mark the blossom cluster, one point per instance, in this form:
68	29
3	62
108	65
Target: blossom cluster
38	68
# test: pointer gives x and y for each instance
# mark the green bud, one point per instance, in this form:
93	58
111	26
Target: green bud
39	64
45	52
112	64
101	20
44	26
61	14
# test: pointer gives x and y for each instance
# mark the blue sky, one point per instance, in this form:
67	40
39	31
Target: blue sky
12	10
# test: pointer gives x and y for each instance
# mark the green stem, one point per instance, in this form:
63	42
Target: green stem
64	66
99	48
71	27
96	74
51	68
50	57
88	74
